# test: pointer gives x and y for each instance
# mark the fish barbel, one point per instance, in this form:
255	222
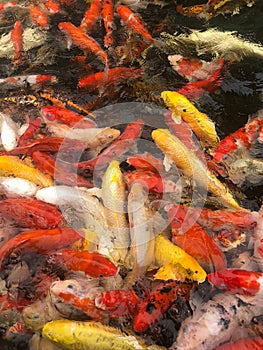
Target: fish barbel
199	122
193	167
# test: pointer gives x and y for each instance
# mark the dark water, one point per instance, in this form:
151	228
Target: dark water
229	106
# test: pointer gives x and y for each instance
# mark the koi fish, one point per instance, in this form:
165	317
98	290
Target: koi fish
29	133
199	122
6	5
97	138
196	89
38	15
83	41
166	253
157	303
107	13
146	161
12	165
195	241
193	167
183	132
66	116
48	144
214	322
192	68
17	39
52	6
39	241
59	171
36	342
9	132
34	81
237	281
134	22
91	15
114	197
80	294
30	213
242	138
101	81
116	149
15	187
141	253
91	335
118	303
92	264
254	343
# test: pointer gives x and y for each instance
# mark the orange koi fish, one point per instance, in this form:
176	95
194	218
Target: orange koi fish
92	264
83	41
133	21
91	15
38	15
17	39
39	241
30	213
115	150
194	240
59	171
66	116
146	161
101	81
30	131
119	303
52	6
108	18
237	281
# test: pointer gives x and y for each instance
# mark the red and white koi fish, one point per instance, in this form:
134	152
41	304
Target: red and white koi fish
146	161
108	18
9	132
17	39
52	6
134	22
101	81
91	15
242	138
193	68
15	187
34	81
77	37
196	89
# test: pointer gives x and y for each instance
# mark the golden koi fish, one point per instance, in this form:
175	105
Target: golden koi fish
167	254
114	197
12	165
199	122
90	335
187	161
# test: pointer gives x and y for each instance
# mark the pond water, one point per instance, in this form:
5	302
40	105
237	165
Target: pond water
238	98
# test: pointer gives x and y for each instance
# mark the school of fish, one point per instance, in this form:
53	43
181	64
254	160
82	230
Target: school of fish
104	243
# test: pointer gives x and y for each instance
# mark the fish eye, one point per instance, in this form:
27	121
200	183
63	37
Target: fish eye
70	286
100	275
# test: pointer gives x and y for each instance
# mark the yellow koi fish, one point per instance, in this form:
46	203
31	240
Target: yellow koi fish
192	167
12	165
88	335
167	254
199	122
114	197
